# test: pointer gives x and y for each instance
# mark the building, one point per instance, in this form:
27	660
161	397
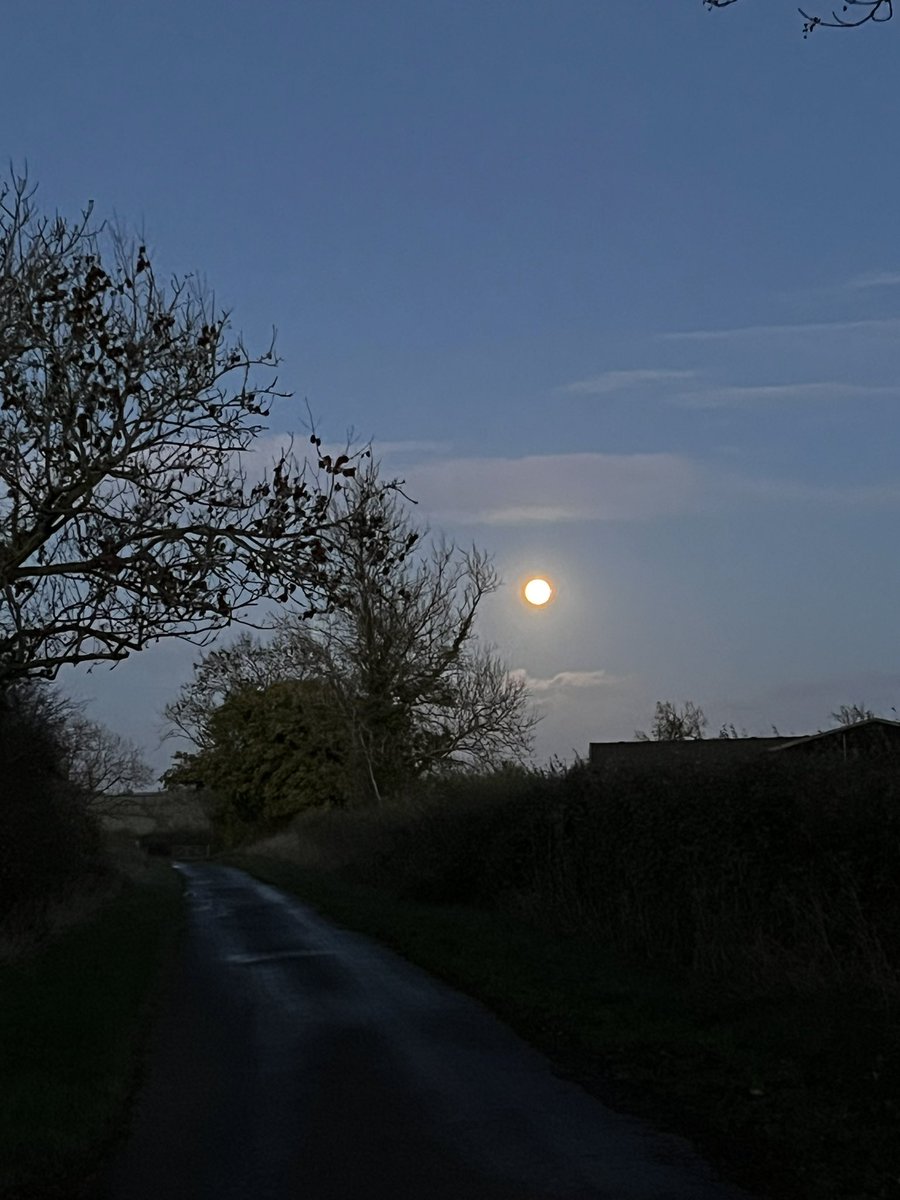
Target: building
873	738
696	751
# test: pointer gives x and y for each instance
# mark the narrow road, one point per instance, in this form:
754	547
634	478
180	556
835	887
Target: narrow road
294	1059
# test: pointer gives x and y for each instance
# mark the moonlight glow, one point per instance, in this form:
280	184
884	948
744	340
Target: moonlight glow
538	592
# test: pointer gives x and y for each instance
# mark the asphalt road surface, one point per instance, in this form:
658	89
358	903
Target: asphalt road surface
294	1059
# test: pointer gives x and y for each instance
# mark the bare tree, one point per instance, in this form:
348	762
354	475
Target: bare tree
245	663
94	759
103	763
853	14
674	724
400	653
126	410
398	656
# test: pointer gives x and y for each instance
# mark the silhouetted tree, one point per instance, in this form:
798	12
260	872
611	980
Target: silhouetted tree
674	724
126	513
103	763
853	13
88	755
849	714
220	673
398	657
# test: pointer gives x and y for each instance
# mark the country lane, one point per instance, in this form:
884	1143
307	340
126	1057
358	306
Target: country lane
293	1059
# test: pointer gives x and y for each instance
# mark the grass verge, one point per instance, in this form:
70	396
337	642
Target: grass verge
793	1097
73	1017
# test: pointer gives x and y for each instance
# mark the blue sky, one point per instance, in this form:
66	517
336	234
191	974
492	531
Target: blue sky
616	287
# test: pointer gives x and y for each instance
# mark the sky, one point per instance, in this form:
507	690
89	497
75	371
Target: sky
615	287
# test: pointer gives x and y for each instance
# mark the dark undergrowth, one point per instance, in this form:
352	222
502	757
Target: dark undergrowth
74	1012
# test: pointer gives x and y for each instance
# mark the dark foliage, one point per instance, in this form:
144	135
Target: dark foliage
772	871
48	840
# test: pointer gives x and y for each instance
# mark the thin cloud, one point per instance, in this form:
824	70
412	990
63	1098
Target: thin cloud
554	488
610	382
875	325
568	679
740	396
526	514
395	449
875	279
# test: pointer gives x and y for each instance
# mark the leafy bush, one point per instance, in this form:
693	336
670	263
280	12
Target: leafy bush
272	752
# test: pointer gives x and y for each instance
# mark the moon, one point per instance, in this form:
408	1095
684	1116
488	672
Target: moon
538	592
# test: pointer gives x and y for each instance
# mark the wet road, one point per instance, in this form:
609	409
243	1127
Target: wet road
295	1059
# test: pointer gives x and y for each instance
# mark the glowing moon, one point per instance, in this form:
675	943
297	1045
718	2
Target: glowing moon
538	591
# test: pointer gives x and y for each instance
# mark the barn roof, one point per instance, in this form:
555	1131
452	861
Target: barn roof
722	749
694	749
844	729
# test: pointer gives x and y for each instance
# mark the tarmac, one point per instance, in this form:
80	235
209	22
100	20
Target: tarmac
294	1059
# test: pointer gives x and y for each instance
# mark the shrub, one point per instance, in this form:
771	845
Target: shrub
48	840
769	871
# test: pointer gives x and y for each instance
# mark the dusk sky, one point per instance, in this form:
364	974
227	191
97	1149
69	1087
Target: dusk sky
615	287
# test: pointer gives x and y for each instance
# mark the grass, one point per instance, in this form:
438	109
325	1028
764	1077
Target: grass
793	1097
73	1016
